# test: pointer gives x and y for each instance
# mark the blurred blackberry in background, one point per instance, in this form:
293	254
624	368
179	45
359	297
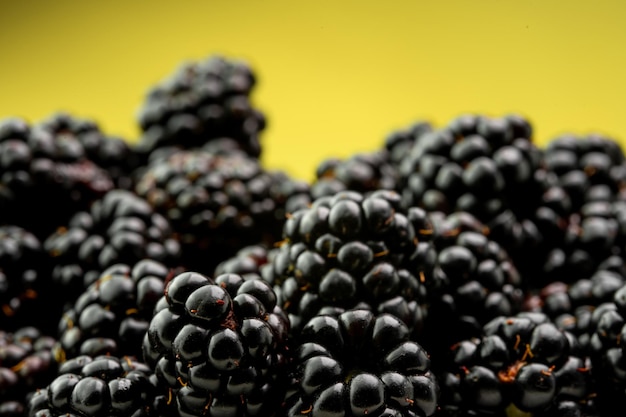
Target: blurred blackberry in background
249	262
490	168
219	347
24	281
100	386
113	154
26	363
46	175
219	203
398	144
347	251
590	171
201	101
112	315
121	227
363	172
360	363
521	364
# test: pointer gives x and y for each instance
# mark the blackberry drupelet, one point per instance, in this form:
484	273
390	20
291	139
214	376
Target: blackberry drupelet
47	175
112	315
24	281
121	227
360	364
26	363
202	101
520	364
219	347
218	203
99	386
346	251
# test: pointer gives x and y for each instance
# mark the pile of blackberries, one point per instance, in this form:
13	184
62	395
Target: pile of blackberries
456	271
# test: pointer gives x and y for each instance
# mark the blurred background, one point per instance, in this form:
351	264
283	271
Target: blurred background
334	78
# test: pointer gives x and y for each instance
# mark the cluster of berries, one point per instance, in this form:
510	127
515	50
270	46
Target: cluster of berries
456	271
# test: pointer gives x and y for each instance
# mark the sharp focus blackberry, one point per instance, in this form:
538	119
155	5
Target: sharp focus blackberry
346	251
48	173
360	364
24	281
99	386
113	314
121	227
26	363
219	203
219	347
200	102
521	364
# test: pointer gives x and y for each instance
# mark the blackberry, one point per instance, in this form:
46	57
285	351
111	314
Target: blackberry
490	168
26	363
99	386
46	165
364	172
202	101
470	280
360	363
219	346
112	153
249	262
521	363
591	172
399	142
112	315
599	328
346	251
24	283
121	227
219	203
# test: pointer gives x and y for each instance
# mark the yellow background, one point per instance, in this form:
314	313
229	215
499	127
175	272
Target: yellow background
335	77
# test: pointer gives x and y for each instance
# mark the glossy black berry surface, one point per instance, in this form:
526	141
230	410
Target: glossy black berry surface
219	346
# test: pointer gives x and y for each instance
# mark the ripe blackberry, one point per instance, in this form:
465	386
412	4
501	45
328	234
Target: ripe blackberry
399	142
202	101
359	363
346	251
112	315
24	283
599	328
26	363
490	168
521	363
591	171
219	203
249	262
470	280
219	346
99	386
111	153
46	165
121	227
363	172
